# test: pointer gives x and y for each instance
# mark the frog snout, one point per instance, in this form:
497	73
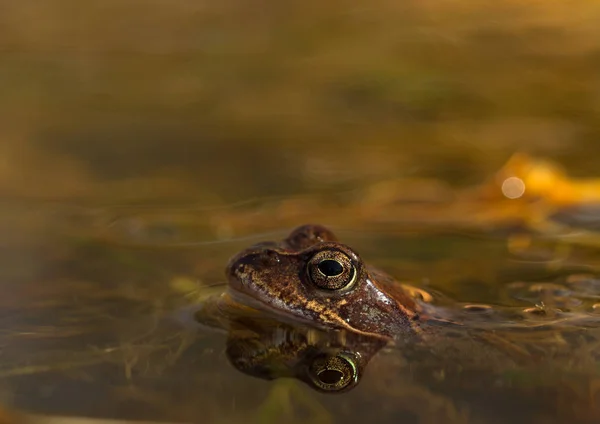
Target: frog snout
244	265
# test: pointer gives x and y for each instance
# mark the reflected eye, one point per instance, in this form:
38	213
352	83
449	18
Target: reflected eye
333	373
331	270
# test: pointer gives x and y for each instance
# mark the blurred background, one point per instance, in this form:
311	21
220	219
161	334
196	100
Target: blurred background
127	100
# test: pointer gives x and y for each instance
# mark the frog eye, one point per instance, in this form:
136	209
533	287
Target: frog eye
333	373
331	270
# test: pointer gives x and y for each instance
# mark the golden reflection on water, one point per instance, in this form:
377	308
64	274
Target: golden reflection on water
142	145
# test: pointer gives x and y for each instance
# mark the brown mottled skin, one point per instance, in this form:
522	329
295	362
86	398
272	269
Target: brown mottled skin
286	278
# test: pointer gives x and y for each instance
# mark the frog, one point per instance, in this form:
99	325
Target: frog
312	278
328	362
308	307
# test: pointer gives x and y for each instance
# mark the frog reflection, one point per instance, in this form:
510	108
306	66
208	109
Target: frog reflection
264	346
325	361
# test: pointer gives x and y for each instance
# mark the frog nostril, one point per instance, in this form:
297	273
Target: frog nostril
268	259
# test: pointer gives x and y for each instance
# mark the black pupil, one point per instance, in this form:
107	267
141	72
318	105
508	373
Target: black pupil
330	268
330	376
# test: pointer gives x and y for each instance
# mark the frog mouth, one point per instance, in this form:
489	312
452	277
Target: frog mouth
283	316
250	301
274	312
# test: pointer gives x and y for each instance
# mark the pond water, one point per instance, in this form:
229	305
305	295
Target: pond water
94	328
143	144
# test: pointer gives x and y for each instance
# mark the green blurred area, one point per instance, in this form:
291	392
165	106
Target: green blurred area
233	99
